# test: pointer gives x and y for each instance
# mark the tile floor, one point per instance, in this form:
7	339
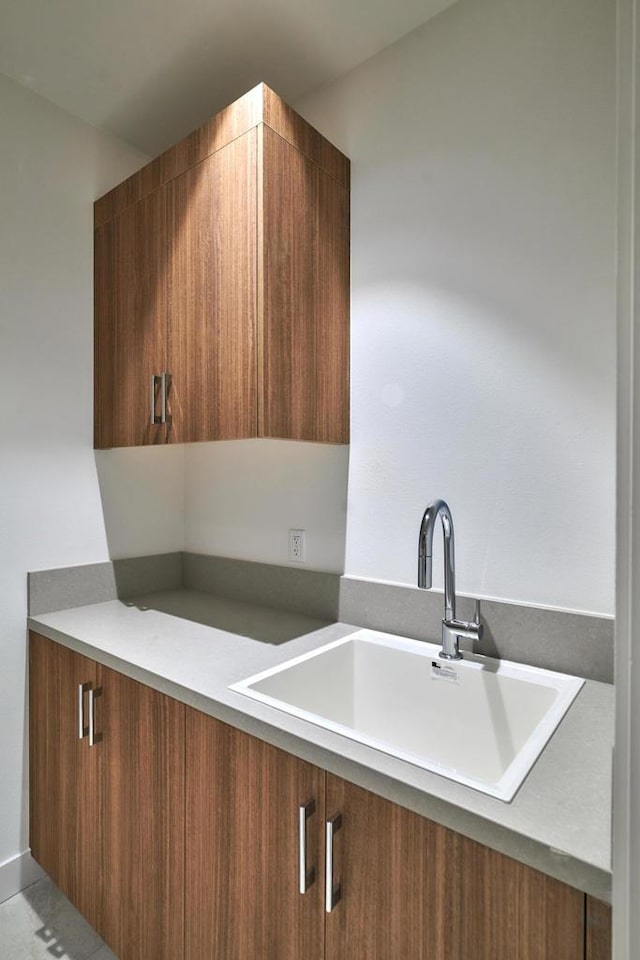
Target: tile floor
40	924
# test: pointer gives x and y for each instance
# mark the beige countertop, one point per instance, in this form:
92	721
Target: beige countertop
192	645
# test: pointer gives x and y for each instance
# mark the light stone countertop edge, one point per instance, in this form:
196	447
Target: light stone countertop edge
558	822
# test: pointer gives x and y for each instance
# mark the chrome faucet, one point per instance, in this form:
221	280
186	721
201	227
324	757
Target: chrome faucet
452	629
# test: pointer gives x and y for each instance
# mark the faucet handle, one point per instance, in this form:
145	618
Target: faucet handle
476	619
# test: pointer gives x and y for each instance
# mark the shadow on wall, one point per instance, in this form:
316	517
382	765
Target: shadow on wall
142	493
235	499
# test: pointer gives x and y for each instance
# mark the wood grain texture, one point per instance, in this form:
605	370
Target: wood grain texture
143	860
242	848
130	304
261	104
226	263
212	296
284	120
598	930
65	793
104	334
304	274
228	124
414	889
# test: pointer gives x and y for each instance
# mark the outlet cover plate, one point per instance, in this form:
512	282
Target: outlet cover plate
297	546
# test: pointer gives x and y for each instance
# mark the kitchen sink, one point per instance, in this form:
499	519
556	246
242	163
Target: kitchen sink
478	721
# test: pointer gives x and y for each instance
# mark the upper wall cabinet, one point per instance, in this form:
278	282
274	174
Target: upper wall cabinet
222	287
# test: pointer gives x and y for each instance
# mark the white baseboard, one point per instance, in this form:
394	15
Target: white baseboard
17	873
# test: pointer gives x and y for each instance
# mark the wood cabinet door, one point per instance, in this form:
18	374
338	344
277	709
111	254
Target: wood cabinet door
411	888
65	789
243	900
130	310
304	274
142	745
212	296
599	930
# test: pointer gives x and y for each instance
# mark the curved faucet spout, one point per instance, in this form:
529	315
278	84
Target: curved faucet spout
452	628
438	508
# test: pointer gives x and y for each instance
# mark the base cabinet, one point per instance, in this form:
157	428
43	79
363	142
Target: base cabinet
106	808
180	837
598	930
65	790
411	888
243	802
142	744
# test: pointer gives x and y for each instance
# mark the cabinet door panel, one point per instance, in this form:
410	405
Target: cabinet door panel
130	264
304	366
212	296
411	888
242	855
142	740
65	794
598	930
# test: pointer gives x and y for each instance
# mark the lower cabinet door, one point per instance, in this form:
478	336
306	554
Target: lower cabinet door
254	825
141	736
65	795
409	888
598	930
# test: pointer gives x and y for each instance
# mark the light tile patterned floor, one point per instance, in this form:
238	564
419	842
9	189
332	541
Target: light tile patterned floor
40	924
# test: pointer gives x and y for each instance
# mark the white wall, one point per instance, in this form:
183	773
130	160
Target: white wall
52	167
242	497
483	304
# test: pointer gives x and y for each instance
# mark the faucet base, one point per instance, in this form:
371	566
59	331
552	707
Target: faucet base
450	656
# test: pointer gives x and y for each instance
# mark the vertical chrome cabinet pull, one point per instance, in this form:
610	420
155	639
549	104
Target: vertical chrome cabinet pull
81	728
163	399
163	380
333	892
90	729
93	736
154	378
92	733
159	380
166	383
307	876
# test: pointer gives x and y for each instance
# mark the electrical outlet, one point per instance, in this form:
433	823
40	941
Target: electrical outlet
296	545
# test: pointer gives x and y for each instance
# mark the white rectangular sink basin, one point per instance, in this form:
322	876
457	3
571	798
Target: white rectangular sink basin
479	721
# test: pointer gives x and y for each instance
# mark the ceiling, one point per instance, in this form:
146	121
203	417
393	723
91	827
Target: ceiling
150	71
